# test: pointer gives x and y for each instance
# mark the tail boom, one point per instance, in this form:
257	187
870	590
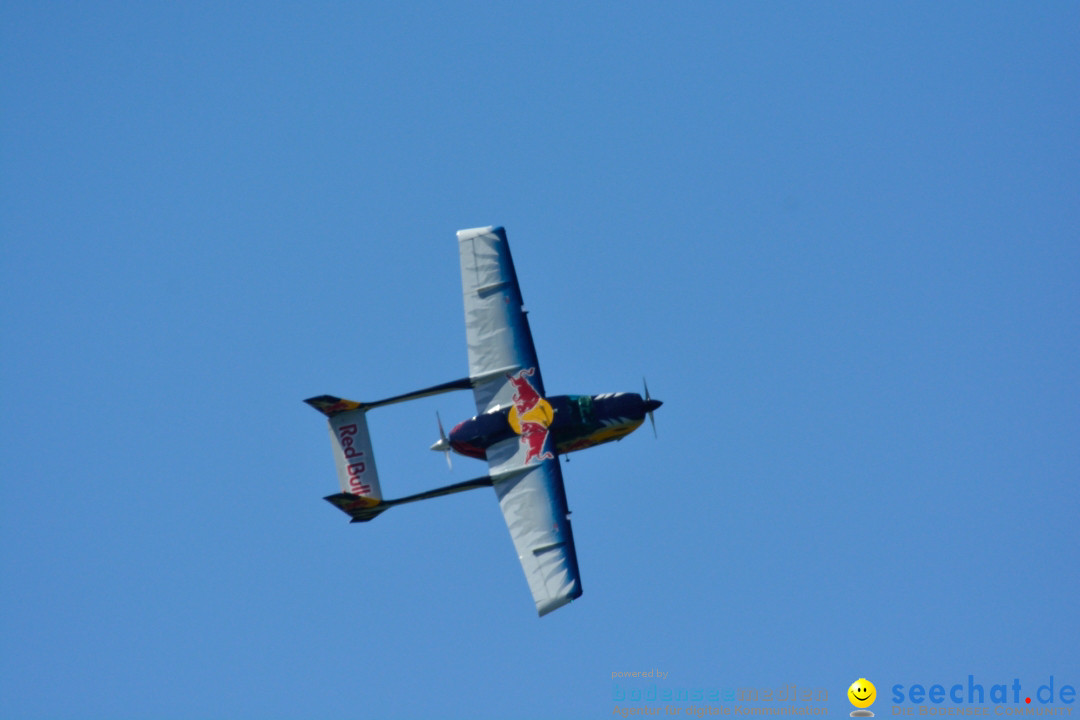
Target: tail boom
362	509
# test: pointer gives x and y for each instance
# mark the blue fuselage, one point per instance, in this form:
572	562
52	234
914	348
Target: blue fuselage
577	422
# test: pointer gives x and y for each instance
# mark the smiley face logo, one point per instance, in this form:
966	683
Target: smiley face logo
862	693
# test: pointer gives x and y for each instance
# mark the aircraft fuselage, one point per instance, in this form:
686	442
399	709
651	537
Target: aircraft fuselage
575	422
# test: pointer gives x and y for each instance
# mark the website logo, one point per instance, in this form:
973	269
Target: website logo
862	695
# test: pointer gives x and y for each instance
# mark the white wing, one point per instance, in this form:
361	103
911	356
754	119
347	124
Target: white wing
505	373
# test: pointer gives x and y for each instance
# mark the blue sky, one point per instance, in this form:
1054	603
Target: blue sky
839	239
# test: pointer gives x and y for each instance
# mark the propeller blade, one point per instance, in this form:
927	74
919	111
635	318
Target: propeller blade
443	443
650	405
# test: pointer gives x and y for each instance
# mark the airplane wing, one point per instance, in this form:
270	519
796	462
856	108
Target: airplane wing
533	504
505	373
496	328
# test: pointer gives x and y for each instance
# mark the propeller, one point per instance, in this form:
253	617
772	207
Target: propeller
443	444
650	405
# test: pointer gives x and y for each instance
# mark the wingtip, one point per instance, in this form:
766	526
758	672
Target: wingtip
470	233
553	604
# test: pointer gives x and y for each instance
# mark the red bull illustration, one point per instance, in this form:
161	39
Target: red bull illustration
530	416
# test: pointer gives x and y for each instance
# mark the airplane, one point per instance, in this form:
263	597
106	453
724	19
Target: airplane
518	428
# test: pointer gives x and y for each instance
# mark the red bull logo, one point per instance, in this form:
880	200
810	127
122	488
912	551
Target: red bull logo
530	416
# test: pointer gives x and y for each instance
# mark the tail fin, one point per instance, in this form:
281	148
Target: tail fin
360	509
353	454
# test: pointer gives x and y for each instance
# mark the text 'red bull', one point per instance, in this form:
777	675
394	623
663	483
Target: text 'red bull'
354	458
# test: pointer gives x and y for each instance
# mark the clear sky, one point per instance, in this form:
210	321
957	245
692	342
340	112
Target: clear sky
840	240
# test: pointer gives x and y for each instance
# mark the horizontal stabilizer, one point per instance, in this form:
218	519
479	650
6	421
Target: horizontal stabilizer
353	453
